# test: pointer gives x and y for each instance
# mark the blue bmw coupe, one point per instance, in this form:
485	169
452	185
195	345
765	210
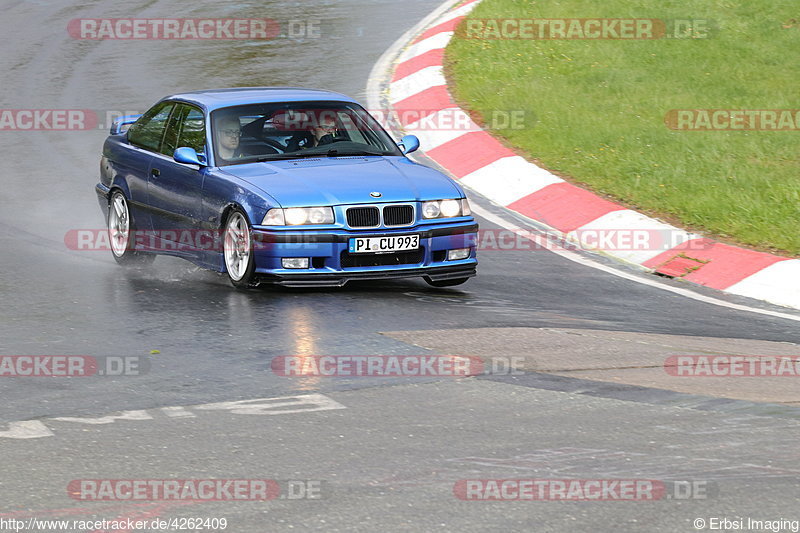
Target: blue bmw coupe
291	186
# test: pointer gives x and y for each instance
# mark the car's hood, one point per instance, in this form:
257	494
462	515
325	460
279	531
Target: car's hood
346	180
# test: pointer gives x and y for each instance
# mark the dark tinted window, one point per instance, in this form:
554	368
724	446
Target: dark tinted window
148	131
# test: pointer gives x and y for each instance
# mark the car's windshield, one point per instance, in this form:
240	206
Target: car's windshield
274	131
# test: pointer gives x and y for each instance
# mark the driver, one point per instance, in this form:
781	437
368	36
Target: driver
322	133
325	131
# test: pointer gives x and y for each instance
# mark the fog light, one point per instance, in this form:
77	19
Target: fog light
459	253
295	262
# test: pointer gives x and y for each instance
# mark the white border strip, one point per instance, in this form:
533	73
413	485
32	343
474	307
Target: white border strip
416	83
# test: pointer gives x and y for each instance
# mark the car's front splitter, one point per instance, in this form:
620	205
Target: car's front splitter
442	273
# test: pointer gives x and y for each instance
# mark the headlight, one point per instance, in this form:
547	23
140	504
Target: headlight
446	208
295	216
320	215
450	208
298	216
430	210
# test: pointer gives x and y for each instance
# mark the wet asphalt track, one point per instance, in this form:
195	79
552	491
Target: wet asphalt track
215	343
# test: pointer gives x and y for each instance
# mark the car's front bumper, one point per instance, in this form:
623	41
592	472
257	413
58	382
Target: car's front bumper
331	264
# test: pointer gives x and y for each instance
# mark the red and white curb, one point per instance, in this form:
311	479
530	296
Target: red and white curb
418	91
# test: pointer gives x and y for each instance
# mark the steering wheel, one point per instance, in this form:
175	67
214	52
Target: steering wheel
273	143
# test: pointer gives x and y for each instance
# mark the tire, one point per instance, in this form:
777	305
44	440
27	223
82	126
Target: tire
237	250
446	282
120	228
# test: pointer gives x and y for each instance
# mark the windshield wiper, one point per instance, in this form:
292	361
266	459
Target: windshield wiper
282	157
352	153
310	155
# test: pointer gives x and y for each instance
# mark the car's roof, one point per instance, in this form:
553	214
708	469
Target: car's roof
218	98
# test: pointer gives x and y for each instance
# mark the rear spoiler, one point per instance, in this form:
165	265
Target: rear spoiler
121	125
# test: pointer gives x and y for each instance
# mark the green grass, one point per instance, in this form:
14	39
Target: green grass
600	107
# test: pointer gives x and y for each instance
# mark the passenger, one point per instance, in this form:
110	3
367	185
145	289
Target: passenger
229	132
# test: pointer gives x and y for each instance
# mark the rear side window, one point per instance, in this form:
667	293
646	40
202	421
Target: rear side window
148	131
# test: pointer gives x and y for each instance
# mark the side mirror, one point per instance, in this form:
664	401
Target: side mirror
121	125
187	156
409	143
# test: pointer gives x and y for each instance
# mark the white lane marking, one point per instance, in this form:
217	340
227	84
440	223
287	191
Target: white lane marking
509	179
28	429
108	419
177	412
577	258
416	83
274	406
35	429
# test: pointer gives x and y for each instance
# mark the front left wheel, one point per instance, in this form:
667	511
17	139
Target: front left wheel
238	250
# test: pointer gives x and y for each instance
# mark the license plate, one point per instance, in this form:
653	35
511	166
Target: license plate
392	243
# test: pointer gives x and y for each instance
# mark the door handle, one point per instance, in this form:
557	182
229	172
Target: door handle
155	172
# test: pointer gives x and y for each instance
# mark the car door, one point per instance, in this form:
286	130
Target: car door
175	189
144	140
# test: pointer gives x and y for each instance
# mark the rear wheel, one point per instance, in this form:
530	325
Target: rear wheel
120	230
238	250
447	282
